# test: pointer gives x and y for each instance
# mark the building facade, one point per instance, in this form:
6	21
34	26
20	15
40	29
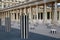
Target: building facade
8	3
40	10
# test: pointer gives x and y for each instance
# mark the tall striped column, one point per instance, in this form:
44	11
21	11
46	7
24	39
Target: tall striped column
0	19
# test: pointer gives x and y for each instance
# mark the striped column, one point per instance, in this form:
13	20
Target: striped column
24	18
0	21
7	22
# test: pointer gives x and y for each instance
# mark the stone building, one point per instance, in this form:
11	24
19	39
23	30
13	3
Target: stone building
8	3
38	10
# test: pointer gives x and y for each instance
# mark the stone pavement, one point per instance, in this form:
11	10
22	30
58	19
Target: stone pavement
15	34
38	28
44	30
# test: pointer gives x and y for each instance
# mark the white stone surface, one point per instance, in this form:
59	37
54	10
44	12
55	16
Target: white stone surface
42	29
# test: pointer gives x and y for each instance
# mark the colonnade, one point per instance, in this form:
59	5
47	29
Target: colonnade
33	11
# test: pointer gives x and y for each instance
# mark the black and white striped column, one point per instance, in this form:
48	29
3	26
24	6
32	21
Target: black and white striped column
24	22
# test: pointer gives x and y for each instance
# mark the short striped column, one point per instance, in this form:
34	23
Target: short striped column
7	22
24	22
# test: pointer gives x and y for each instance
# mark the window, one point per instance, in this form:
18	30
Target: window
58	15
52	15
38	15
15	15
33	16
4	6
12	13
48	15
41	15
18	16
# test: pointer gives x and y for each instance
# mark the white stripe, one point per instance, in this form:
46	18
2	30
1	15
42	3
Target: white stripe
24	26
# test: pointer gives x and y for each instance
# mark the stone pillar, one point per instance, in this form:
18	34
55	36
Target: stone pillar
7	22
34	13
20	12
6	4
55	12
50	15
4	18
17	15
59	16
24	10
13	15
37	11
2	5
24	18
45	14
30	14
4	15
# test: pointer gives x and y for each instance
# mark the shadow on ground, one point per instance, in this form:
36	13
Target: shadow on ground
14	34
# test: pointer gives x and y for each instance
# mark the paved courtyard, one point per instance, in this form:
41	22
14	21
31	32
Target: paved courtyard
36	29
14	34
41	28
